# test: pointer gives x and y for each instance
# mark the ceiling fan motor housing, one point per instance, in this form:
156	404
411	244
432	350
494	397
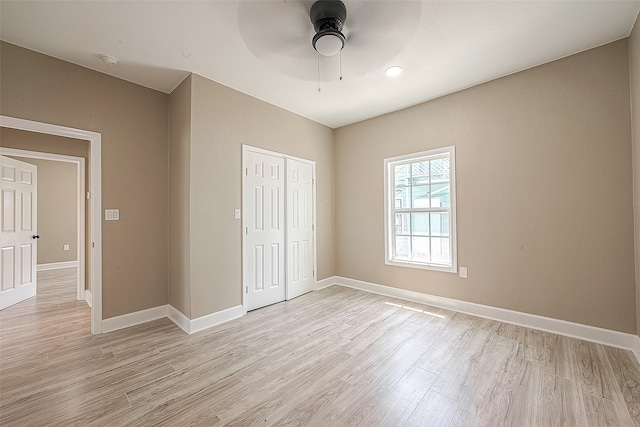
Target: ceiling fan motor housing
328	18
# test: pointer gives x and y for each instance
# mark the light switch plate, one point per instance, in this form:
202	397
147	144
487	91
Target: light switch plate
236	213
463	272
112	214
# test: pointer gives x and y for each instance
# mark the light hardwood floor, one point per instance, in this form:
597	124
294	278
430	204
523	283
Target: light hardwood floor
334	357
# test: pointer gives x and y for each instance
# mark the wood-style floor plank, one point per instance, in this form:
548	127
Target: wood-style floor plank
335	357
626	369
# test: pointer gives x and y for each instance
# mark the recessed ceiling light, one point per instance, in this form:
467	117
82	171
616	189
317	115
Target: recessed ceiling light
393	71
109	60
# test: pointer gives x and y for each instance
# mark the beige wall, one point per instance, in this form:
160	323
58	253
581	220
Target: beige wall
543	190
44	143
57	210
133	123
634	71
179	197
222	120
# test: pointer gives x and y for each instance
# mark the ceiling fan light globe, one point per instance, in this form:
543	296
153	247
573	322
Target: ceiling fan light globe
328	44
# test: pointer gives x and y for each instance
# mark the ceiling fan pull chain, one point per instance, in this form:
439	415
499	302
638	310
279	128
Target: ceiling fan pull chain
318	54
341	65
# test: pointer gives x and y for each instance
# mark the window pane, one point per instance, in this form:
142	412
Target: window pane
402	175
440	196
440	252
420	196
402	197
420	224
420	249
440	170
402	247
440	224
420	221
403	226
420	173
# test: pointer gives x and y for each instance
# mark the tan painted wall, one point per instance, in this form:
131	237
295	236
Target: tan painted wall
133	123
544	191
634	71
57	210
40	142
222	120
179	200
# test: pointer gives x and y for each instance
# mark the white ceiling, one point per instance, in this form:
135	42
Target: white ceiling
263	48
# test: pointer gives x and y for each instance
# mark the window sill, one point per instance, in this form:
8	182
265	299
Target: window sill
422	266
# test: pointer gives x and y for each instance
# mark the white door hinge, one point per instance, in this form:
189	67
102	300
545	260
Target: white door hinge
246	289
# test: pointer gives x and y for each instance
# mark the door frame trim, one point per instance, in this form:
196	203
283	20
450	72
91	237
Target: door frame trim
80	205
95	205
245	149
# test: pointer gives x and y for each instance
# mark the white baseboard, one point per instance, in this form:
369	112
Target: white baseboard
204	322
173	314
325	283
56	265
132	319
557	326
213	319
88	297
177	317
636	349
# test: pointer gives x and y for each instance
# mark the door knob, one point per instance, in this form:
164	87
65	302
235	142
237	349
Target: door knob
36	236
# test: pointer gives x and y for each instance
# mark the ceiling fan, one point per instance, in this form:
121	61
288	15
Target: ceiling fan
288	35
328	18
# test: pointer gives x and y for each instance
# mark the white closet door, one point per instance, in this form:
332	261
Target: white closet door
300	245
18	231
265	230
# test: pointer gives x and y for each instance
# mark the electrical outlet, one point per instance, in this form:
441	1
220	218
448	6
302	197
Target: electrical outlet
65	247
463	272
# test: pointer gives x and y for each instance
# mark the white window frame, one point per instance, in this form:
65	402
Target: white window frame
389	209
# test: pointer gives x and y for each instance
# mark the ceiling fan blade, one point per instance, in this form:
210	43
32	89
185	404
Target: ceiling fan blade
377	31
279	34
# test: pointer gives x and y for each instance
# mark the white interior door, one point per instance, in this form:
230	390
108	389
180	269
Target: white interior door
300	245
264	246
18	231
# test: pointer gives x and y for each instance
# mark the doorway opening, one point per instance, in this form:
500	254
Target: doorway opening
79	247
95	201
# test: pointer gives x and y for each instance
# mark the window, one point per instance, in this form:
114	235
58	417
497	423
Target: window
420	214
